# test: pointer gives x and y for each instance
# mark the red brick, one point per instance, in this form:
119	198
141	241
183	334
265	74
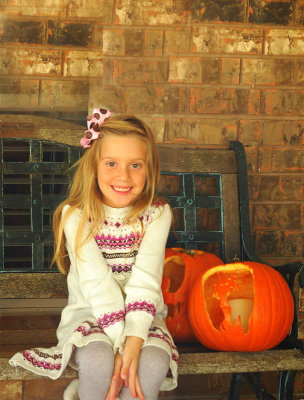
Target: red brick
96	9
16	32
284	102
299	72
224	101
153	43
153	12
157	100
258	71
16	93
286	41
201	131
157	126
267	72
134	42
111	97
211	70
66	33
29	61
64	94
185	69
140	71
278	159
283	132
110	72
293	245
83	63
230	71
271	12
268	243
113	42
272	216
250	132
209	39
97	36
177	41
222	10
252	159
11	390
276	188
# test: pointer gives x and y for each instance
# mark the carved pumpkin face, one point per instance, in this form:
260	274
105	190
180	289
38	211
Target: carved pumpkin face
181	269
244	306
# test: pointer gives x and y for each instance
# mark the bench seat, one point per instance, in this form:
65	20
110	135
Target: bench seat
197	363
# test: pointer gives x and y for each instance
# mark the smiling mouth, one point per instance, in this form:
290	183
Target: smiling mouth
121	189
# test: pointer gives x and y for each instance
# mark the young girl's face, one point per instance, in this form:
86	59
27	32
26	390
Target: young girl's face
122	169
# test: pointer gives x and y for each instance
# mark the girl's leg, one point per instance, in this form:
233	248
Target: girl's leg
95	362
152	370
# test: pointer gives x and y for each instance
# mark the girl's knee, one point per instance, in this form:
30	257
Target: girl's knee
155	357
153	368
95	356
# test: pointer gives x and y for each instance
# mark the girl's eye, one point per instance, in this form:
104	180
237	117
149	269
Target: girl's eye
111	164
136	165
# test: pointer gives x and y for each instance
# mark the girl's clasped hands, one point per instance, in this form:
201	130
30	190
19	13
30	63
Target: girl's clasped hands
125	370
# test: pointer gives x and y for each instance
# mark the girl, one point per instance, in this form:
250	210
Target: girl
110	236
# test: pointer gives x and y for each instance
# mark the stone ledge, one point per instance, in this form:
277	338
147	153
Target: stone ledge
199	363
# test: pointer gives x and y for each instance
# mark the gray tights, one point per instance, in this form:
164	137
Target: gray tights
96	361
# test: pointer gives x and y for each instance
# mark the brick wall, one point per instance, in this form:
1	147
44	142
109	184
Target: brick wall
200	72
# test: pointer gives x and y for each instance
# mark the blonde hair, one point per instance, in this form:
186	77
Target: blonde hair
84	193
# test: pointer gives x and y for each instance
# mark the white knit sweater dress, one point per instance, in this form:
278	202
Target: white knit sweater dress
114	291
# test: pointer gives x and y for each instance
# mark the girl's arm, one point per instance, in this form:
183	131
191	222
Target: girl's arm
96	283
143	290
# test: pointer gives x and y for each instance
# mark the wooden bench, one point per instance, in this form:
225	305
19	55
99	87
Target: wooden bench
207	188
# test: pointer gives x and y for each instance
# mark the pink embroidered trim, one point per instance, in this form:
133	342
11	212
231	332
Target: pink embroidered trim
86	332
111	319
114	243
158	203
121	268
46	355
141	306
174	356
43	364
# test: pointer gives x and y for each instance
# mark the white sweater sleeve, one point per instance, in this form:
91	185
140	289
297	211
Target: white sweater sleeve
96	282
143	290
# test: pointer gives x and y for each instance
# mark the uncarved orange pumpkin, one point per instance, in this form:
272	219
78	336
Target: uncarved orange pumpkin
243	306
181	269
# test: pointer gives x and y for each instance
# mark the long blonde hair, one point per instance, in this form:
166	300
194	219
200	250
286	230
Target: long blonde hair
84	193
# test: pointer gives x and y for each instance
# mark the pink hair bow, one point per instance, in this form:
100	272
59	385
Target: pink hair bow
94	122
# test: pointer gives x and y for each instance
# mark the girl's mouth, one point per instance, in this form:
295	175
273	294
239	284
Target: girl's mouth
121	189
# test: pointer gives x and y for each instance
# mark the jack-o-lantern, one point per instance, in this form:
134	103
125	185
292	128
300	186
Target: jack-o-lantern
181	269
243	306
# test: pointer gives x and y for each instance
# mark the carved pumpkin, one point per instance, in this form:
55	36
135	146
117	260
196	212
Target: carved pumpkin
181	269
244	306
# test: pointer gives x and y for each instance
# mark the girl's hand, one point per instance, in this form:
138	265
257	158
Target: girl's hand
117	382
130	359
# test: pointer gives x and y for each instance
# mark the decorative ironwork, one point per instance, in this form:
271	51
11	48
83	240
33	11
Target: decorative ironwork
196	200
34	178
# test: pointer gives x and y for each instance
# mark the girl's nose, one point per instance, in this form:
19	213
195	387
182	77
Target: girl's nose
124	172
